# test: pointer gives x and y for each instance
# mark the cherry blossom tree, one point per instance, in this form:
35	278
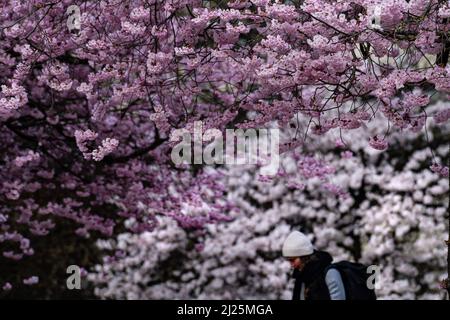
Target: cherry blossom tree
88	102
393	217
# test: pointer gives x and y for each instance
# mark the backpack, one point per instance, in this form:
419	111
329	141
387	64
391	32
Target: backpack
354	276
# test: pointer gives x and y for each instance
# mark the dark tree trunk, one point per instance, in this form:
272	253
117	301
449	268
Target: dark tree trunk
448	238
442	57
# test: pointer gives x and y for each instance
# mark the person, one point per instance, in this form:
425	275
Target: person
314	279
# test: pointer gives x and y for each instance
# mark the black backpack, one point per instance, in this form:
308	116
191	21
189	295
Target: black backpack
354	275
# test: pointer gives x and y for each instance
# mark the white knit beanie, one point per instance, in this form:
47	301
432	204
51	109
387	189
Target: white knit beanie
297	245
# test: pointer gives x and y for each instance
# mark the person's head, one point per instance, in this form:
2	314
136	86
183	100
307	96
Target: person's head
297	249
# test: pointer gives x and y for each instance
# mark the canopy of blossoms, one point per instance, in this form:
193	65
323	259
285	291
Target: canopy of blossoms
90	96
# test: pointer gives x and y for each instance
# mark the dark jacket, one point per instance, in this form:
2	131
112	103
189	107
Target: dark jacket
313	278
